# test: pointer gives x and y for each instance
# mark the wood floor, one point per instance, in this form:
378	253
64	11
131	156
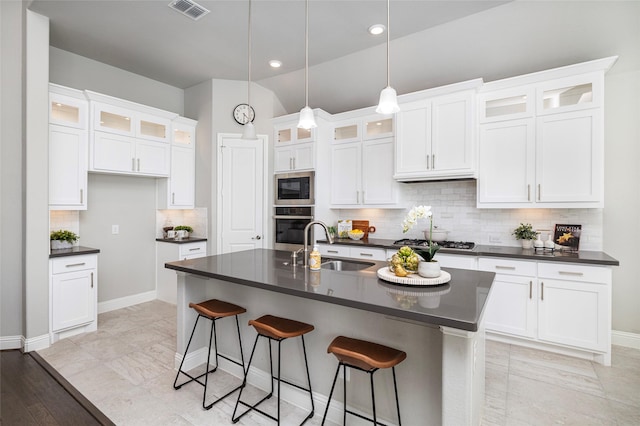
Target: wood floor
33	393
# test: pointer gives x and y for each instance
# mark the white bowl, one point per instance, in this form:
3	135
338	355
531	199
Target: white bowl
437	235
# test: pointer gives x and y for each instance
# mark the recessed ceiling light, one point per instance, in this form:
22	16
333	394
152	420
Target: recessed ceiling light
377	29
274	63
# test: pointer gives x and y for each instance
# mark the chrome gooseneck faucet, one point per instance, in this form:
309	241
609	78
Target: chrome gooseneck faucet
306	238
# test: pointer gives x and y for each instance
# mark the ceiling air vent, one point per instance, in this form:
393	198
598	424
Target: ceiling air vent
189	8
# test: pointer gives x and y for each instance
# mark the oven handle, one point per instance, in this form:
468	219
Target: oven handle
293	217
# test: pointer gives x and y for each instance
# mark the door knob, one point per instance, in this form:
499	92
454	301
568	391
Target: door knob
257	237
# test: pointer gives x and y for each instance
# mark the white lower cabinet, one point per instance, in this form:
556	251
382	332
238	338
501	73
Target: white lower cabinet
564	305
166	280
73	295
364	253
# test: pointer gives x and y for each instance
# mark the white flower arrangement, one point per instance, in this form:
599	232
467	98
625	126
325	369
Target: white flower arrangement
417	212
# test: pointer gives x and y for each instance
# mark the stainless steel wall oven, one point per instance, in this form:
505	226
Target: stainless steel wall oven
289	226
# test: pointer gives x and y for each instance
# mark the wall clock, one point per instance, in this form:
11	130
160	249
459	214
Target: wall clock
244	113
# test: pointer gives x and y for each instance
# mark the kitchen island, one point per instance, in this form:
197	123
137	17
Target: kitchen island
441	328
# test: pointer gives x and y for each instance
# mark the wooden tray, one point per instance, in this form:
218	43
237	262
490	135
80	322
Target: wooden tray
362	225
413	279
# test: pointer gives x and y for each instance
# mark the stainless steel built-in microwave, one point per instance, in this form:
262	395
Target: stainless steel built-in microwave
294	189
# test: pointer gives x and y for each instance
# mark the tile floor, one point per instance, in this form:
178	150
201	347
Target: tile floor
124	369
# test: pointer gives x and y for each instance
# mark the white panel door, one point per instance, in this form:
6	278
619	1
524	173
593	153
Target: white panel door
67	168
507	162
346	172
413	143
113	153
569	157
573	313
182	180
378	185
153	158
452	133
241	189
511	307
72	299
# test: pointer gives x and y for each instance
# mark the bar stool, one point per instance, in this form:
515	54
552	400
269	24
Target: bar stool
212	310
278	329
364	356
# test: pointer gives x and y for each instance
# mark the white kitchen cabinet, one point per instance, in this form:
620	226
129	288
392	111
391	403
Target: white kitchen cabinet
347	131
506	104
377	127
362	174
435	138
166	280
178	190
68	148
330	250
67	168
114	153
363	253
130	122
290	133
507	162
73	295
574	306
293	157
457	261
512	303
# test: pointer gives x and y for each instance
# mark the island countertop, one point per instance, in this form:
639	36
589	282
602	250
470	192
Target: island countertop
457	304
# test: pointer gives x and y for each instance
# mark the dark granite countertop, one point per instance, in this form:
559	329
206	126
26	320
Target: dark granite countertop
458	304
182	241
73	251
585	257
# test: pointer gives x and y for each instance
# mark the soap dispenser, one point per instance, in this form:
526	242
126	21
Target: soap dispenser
538	243
314	259
549	244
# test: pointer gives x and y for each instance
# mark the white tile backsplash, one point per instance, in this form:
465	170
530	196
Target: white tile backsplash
65	219
454	209
196	218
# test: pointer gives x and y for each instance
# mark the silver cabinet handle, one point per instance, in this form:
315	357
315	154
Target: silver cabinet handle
433	161
357	197
511	268
71	265
530	289
539	192
332	251
138	164
133	164
541	291
194	249
294	163
575	274
529	192
81	195
92	280
291	163
366	254
428	161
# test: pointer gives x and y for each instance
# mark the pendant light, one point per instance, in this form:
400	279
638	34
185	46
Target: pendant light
249	132
307	120
388	103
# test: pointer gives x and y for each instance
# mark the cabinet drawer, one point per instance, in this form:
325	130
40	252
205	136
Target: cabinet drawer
574	272
507	267
456	261
193	250
367	253
333	250
73	263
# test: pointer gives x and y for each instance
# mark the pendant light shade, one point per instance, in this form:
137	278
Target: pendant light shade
249	131
388	103
307	120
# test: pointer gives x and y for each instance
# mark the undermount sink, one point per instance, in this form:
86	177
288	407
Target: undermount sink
344	265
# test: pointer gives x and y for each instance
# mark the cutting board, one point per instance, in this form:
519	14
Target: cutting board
363	225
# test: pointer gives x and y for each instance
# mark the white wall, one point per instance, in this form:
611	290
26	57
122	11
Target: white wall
11	167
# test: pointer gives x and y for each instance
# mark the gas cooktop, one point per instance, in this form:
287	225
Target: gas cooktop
461	245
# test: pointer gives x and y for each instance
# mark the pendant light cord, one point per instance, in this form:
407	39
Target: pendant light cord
249	60
306	54
388	39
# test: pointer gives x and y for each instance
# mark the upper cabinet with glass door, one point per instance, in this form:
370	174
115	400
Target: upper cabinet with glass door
67	107
508	104
377	127
570	94
292	134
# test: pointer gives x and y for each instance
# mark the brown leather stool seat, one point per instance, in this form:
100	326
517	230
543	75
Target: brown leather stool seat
276	329
368	357
212	310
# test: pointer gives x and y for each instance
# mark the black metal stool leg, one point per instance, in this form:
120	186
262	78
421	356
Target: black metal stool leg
184	356
279	352
395	388
344	391
206	367
333	385
306	364
235	419
373	400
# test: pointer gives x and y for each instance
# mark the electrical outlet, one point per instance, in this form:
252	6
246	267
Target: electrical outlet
341	375
115	229
494	239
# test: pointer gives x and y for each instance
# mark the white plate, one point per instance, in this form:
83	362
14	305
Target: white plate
413	279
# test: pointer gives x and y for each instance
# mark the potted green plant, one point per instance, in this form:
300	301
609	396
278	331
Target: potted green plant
525	233
62	239
332	231
183	231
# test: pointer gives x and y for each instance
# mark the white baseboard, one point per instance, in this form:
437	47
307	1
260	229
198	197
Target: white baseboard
10	342
36	343
124	302
623	338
